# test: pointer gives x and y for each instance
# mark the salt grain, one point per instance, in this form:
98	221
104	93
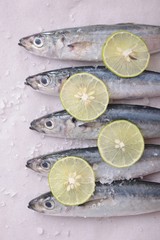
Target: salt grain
40	230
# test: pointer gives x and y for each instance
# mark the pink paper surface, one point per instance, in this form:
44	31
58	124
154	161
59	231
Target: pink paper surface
19	105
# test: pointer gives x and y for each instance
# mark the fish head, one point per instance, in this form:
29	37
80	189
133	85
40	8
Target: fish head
40	82
50	124
39	44
46	203
39	165
48	82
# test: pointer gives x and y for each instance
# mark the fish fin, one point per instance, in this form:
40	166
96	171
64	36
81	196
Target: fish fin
93	199
126	23
154	64
153	43
79	46
155	51
86	125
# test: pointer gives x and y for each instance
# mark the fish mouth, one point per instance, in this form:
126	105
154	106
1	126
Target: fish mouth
35	129
28	82
29	164
21	42
33	126
31	205
24	42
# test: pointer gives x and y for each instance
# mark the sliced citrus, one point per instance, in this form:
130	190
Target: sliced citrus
125	54
72	181
120	143
84	96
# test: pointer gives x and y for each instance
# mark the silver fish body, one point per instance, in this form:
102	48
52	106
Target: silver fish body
104	173
145	85
85	43
122	198
62	125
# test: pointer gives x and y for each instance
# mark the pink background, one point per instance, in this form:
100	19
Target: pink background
19	105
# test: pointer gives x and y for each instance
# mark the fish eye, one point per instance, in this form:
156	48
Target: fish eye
38	42
49	204
49	124
60	80
45	81
46	165
73	120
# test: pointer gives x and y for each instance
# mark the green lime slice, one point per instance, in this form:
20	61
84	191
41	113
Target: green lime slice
84	96
72	181
125	54
120	143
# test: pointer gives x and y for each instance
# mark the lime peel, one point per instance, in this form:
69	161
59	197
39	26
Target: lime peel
125	54
72	181
84	96
120	143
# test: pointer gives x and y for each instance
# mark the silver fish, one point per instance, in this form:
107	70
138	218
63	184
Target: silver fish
85	43
148	164
122	198
62	125
145	85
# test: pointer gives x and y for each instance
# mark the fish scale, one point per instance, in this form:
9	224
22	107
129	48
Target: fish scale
148	164
120	198
63	125
145	85
85	43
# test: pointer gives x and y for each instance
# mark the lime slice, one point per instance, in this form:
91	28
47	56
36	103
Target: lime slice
120	143
72	181
125	54
84	96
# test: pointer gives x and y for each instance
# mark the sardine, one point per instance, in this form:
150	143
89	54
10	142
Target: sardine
85	43
104	173
122	198
145	85
62	125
